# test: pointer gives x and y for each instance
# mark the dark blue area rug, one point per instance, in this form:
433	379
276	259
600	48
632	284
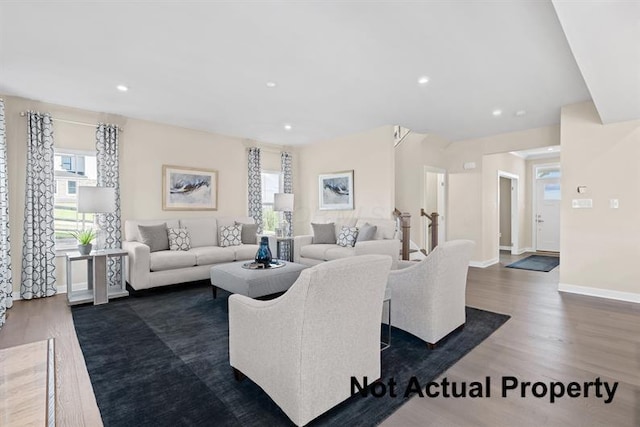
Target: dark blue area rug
536	263
163	360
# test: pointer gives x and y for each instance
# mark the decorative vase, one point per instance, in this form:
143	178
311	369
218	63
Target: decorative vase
85	249
263	256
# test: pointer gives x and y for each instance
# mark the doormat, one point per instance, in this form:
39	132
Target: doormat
536	263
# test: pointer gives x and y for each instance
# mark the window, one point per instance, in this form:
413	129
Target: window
271	184
71	169
71	187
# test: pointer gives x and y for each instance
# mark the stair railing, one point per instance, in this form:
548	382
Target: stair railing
405	226
434	226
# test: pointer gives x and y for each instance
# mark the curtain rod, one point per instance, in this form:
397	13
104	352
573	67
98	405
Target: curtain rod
73	122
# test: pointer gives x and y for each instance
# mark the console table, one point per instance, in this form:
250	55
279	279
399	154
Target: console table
97	290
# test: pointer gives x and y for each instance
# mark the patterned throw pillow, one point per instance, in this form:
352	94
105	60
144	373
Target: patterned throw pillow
347	236
230	235
179	239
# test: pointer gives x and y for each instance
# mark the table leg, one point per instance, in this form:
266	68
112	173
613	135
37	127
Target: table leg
215	291
100	291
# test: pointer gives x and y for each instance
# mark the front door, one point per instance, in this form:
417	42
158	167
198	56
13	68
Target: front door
547	217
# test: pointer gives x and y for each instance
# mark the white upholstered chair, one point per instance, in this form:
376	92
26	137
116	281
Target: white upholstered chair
428	297
303	347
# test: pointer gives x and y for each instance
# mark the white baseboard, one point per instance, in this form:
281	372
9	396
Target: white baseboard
505	248
483	264
60	290
523	250
600	293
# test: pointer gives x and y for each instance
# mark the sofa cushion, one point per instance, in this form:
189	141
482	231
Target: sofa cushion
249	232
154	236
347	236
230	235
340	252
179	239
203	231
386	227
131	233
212	255
245	252
317	251
324	233
367	232
169	260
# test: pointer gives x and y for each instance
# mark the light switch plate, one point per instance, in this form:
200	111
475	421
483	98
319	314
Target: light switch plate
582	203
614	204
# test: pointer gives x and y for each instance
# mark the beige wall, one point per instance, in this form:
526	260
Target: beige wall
600	246
144	148
369	154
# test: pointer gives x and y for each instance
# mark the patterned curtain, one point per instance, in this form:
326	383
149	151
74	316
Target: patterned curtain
287	178
255	186
108	167
6	283
38	246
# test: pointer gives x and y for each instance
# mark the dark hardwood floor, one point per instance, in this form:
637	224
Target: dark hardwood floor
551	336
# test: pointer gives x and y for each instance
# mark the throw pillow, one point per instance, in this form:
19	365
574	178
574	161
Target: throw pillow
367	232
230	235
154	236
179	239
249	232
324	233
347	236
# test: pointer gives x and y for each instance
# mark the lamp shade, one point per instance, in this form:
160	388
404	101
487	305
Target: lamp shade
283	202
96	199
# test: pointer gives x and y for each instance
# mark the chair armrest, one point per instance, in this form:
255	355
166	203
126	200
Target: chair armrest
298	243
389	247
138	264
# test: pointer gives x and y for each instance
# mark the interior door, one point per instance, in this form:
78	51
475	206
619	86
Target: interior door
548	215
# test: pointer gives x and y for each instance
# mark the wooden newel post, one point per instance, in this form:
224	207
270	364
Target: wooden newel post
405	223
434	230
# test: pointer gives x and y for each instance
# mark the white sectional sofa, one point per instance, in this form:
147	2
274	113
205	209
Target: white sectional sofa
146	269
385	242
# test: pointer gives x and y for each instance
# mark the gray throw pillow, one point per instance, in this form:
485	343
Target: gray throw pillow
367	232
249	232
324	233
154	236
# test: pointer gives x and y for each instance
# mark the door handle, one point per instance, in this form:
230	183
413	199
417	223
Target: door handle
541	220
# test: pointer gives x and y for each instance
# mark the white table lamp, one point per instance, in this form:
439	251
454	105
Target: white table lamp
283	202
96	200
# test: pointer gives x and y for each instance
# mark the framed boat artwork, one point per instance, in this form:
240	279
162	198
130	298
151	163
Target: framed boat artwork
185	188
335	191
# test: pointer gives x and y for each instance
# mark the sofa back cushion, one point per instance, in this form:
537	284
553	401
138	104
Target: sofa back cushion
203	231
386	228
131	233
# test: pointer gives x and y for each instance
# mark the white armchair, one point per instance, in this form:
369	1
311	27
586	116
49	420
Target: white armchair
428	297
303	347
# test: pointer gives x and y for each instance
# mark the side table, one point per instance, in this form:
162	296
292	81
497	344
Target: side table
287	242
97	290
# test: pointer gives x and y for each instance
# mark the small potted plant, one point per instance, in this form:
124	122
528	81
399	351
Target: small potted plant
84	238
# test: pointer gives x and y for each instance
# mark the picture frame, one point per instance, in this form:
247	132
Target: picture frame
189	189
335	191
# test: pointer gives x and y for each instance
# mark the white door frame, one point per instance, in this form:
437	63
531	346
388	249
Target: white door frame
534	202
515	214
442	198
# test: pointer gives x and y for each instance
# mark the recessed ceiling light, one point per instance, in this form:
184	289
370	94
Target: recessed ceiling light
122	88
287	127
423	80
497	113
520	113
272	84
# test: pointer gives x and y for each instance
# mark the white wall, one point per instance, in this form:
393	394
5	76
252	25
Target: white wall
369	154
600	246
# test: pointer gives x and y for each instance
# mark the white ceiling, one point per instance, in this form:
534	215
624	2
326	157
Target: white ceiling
341	67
